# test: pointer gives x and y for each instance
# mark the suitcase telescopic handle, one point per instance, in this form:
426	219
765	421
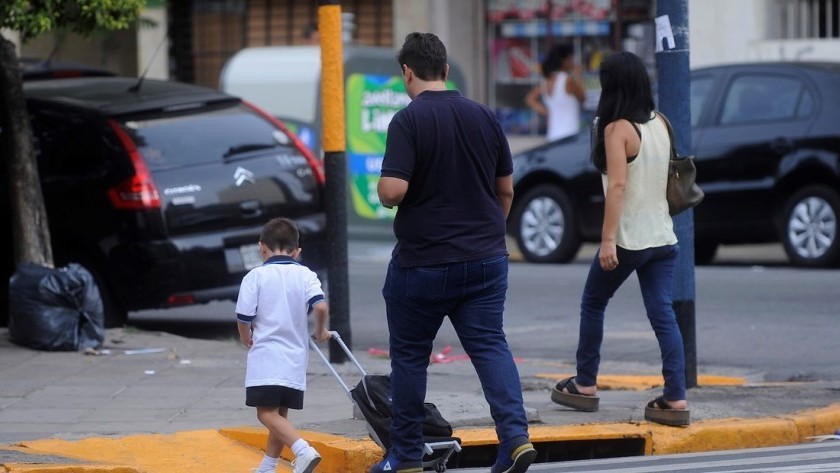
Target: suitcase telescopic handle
335	336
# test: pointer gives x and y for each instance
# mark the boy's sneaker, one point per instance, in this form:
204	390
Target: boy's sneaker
517	460
306	461
390	465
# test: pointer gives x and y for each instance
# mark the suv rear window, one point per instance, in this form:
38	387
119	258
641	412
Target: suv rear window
206	135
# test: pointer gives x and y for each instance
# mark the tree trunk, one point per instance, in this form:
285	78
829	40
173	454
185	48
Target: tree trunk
30	231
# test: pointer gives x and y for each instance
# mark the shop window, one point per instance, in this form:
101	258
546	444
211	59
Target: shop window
522	31
206	33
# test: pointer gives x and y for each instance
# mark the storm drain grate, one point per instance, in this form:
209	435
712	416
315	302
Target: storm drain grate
483	456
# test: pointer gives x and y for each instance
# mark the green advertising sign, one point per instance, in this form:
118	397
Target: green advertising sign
372	101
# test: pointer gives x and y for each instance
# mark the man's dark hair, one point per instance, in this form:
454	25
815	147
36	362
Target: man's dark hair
280	234
425	54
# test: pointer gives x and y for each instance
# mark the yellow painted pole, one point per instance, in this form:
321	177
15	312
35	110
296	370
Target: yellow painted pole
332	76
335	167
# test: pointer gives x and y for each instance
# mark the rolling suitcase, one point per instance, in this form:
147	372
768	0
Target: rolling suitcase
371	398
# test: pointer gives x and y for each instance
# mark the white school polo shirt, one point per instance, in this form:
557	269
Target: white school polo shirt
276	299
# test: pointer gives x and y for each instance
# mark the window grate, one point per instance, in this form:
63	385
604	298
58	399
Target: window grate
807	19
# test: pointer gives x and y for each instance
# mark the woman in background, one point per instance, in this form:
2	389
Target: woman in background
560	96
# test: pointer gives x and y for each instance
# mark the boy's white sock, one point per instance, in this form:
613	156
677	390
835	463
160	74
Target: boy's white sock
299	446
268	465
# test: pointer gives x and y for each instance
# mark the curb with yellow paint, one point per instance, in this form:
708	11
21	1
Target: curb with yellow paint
613	382
239	449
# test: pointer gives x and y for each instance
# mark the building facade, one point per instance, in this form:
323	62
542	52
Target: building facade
497	43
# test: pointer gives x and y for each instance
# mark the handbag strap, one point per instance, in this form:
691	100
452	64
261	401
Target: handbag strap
670	134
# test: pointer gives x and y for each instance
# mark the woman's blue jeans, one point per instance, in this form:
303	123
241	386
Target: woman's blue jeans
473	295
655	270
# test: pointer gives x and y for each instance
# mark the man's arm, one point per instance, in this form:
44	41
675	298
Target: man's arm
504	192
391	191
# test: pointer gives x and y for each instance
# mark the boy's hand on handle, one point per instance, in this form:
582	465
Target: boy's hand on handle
321	335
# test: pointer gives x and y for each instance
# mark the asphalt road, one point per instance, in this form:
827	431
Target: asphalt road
755	315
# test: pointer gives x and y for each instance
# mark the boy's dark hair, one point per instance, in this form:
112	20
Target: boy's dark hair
425	54
625	93
280	234
555	58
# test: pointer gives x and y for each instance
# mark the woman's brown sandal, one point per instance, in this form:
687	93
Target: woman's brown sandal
566	394
661	412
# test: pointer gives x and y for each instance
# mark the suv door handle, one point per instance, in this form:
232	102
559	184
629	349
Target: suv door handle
251	208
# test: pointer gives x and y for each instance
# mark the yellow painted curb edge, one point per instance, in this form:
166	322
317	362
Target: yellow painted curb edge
41	468
241	448
607	382
338	454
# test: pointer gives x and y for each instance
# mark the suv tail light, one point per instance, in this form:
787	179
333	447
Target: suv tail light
315	163
138	191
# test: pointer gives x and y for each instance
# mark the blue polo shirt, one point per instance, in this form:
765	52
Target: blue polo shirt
450	149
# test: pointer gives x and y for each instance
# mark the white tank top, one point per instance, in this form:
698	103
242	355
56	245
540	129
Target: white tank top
645	221
563	110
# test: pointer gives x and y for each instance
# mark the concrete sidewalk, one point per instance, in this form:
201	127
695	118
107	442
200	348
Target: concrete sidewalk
159	403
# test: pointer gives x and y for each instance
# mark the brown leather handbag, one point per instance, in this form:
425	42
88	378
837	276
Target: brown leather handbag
682	192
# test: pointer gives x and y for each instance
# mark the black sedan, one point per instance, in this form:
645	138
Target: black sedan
767	142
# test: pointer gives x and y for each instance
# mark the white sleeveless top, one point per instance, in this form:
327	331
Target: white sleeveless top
645	221
563	110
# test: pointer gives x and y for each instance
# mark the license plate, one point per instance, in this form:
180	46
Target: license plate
251	257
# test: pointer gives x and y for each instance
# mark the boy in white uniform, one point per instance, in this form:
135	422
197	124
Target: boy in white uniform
274	301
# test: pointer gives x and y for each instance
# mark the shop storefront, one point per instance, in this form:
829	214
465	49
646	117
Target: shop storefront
520	32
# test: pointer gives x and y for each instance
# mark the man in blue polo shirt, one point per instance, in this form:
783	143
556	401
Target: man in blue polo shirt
447	168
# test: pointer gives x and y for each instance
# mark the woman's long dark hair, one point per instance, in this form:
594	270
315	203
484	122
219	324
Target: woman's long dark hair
625	93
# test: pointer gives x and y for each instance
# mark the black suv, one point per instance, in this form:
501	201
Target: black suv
160	189
767	146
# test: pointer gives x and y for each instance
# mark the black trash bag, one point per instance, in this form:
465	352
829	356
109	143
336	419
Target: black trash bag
55	309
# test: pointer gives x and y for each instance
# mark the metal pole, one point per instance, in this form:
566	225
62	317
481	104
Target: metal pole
335	167
672	60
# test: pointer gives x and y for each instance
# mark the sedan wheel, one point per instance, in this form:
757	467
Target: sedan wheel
810	227
545	229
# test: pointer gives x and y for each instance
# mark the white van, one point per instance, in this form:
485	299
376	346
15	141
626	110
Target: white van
285	81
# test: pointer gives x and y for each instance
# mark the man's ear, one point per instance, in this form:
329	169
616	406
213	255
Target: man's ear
446	73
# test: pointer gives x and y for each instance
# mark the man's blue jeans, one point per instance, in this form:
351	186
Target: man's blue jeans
655	270
472	294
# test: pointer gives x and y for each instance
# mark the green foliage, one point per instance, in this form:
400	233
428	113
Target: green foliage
34	17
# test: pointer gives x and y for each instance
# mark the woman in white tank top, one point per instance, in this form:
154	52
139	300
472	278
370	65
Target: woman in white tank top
631	147
560	96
